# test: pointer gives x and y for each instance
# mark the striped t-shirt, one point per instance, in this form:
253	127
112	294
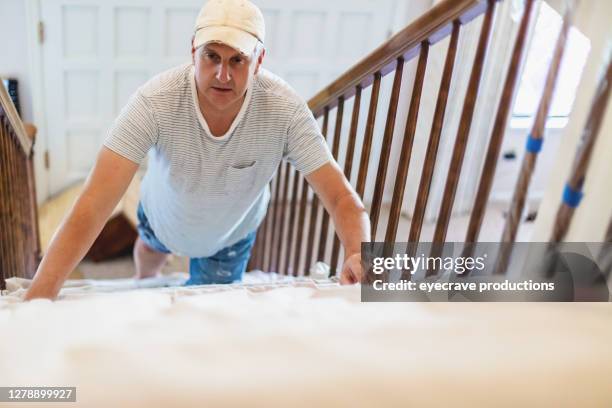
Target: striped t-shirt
203	193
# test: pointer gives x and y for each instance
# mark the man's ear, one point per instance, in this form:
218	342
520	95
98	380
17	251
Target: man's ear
260	60
192	49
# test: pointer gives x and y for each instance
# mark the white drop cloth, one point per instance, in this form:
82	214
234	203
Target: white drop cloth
303	344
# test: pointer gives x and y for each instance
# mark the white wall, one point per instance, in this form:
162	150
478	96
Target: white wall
14	56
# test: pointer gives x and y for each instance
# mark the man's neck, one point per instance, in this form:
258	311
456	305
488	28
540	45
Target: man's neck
219	120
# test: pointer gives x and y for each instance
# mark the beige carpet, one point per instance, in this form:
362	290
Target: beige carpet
306	346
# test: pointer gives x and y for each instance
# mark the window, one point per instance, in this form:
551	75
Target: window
539	55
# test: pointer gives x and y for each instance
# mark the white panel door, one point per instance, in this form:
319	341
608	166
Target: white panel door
97	52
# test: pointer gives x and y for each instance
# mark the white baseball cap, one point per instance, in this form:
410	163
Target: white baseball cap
237	23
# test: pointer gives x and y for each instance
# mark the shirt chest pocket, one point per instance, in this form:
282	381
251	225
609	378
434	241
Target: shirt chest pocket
240	178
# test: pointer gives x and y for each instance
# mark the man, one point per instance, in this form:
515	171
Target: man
216	131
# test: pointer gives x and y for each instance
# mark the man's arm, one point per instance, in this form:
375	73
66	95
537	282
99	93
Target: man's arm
103	189
348	214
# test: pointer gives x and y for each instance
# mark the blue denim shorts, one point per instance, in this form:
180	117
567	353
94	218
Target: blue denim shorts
226	266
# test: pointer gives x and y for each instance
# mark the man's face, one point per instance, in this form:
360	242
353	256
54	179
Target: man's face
223	74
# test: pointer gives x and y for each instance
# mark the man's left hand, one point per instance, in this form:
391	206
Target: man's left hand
351	270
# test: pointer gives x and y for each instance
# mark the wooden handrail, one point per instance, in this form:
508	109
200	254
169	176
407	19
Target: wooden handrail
6	104
432	26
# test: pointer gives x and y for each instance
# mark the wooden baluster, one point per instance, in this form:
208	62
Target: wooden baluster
311	233
362	176
584	152
281	233
263	230
434	138
465	124
253	263
254	260
36	251
4	210
386	147
22	210
278	207
348	167
13	203
12	268
499	128
18	215
605	256
604	259
534	144
290	239
265	259
26	222
256	255
30	250
17	220
261	236
314	209
608	237
264	251
352	137
273	220
335	148
301	219
7	262
407	143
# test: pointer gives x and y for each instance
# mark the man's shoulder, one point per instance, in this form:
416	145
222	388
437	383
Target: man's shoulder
175	79
277	89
